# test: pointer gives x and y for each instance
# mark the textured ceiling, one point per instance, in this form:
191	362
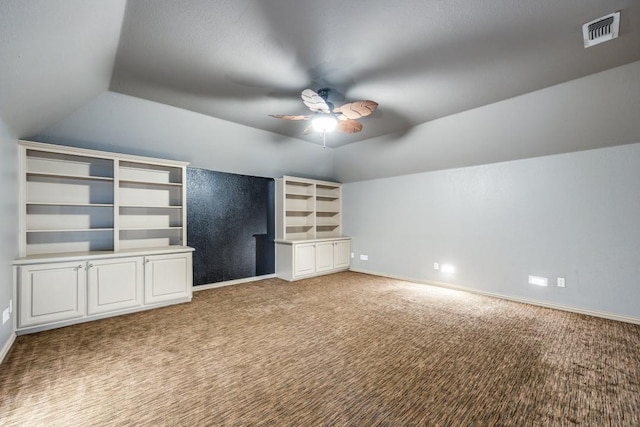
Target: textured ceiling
241	60
55	56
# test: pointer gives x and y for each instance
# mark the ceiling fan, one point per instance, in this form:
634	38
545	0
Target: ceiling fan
326	118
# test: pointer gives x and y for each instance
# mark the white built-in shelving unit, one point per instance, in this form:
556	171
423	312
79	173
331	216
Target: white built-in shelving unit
309	238
88	215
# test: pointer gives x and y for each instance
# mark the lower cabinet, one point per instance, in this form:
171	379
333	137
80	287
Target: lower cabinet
114	284
51	292
304	259
297	260
59	293
167	277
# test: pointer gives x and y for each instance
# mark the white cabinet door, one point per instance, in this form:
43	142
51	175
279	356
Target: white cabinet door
52	292
304	259
341	253
167	277
324	256
114	284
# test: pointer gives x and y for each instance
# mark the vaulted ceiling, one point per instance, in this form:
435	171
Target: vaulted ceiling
242	60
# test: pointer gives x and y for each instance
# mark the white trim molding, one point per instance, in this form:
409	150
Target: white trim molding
232	282
610	316
7	347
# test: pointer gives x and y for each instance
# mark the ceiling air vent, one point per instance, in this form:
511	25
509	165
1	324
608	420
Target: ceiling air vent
601	29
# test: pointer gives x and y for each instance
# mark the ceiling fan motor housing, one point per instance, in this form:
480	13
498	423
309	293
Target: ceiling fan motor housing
324	94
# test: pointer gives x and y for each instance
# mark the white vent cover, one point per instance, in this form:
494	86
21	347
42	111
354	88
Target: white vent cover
601	29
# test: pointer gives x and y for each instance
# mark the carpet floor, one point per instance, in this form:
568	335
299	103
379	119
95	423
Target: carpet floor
342	350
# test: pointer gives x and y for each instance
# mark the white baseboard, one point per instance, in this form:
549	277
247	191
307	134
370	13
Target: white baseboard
7	346
610	316
232	282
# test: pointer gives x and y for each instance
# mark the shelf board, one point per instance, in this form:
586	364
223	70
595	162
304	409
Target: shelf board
92	205
298	195
149	228
150	207
327	225
299	226
328	198
160	184
294	211
328	212
70	176
67	230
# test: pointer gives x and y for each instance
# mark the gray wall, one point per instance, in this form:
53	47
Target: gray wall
571	215
125	124
8	225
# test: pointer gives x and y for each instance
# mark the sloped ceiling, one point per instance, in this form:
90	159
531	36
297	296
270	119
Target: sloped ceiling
241	60
54	57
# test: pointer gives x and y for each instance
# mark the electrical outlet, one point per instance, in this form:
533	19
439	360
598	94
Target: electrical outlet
436	266
5	315
364	257
10	306
353	255
560	282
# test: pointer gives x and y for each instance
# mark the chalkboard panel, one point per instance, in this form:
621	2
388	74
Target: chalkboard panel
230	223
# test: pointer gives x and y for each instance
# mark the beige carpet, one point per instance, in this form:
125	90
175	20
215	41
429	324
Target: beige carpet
341	350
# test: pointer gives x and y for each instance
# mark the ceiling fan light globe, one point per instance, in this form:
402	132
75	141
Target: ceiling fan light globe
324	124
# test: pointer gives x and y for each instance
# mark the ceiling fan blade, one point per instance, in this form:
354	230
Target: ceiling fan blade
357	109
308	129
349	126
286	117
315	102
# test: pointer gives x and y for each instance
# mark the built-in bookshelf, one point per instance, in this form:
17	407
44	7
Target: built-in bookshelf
86	201
309	239
307	209
101	234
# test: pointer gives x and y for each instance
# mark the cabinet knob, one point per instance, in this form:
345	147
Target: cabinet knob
89	265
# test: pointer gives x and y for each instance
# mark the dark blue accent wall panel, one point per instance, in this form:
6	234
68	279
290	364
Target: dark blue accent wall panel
230	223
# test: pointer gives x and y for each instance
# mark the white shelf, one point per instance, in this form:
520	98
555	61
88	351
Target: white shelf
294	212
65	230
300	195
161	184
69	176
89	205
307	208
150	228
151	207
69	198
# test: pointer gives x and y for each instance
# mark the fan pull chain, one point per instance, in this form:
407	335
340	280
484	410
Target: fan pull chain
324	139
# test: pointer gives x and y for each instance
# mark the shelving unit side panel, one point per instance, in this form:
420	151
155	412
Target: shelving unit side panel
116	205
280	208
183	200
22	201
